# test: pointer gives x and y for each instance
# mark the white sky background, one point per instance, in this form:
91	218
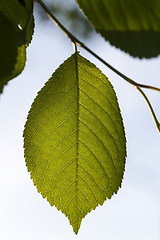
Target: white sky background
134	213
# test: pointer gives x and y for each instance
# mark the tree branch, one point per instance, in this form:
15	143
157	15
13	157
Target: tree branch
78	42
75	41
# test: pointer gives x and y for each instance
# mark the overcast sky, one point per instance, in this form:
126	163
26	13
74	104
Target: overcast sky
133	213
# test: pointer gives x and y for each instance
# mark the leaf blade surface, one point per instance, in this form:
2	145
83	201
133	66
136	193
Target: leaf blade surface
74	140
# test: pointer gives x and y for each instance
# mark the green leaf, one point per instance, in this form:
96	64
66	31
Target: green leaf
74	140
19	14
132	26
8	47
18	66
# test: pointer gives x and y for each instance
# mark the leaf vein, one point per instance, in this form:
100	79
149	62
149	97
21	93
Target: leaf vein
100	141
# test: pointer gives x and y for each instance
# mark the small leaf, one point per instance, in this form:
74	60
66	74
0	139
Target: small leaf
132	26
74	140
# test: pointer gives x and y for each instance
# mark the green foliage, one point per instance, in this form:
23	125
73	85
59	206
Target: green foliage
8	47
74	140
16	28
130	25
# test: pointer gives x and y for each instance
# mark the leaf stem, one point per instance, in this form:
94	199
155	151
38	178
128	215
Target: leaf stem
150	107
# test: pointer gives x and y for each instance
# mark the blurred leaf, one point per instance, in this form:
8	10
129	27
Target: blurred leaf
133	26
20	16
8	48
74	140
69	13
17	12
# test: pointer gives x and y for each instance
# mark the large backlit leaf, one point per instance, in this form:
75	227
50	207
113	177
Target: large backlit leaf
133	26
74	140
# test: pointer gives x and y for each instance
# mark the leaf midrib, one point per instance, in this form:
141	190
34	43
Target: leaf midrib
77	82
